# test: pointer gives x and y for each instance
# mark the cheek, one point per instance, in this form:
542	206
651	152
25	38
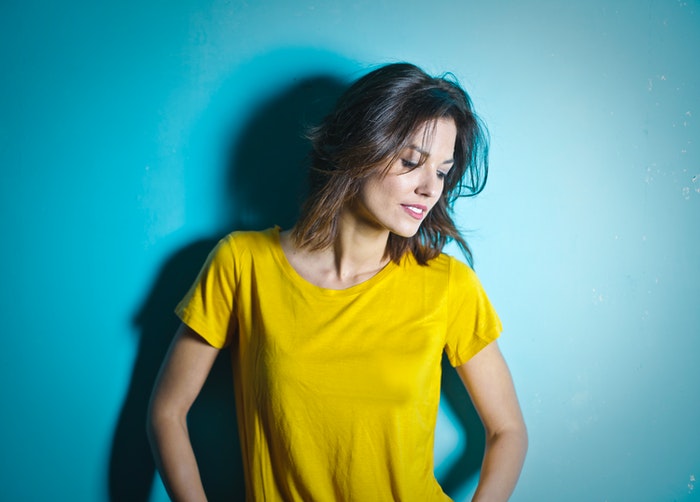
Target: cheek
397	186
378	192
372	197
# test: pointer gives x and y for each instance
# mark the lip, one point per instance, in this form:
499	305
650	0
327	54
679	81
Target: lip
415	211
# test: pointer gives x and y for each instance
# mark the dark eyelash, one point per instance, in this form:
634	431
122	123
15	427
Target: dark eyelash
412	165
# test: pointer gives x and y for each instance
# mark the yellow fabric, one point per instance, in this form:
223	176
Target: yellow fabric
337	391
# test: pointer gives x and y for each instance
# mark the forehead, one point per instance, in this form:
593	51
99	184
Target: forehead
439	133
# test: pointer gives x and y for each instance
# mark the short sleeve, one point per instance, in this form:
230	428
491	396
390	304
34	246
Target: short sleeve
472	321
208	308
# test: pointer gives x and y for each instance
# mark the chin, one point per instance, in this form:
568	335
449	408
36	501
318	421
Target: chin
406	233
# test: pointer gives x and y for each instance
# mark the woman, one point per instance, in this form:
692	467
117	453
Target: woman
337	327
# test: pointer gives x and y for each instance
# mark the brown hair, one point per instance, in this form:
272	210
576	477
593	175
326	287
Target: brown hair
371	123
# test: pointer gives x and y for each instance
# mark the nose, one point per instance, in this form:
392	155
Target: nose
428	185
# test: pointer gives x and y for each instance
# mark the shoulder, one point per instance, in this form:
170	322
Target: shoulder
446	267
237	249
443	275
245	241
461	273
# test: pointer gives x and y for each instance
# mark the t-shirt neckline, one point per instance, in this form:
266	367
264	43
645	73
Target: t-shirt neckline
296	278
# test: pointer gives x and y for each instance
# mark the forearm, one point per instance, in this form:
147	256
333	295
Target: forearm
175	459
503	461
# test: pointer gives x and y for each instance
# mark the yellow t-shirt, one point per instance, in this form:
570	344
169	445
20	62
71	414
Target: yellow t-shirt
337	390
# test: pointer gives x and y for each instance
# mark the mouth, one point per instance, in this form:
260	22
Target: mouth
416	211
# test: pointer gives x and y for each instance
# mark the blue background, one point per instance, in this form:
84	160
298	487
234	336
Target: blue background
133	134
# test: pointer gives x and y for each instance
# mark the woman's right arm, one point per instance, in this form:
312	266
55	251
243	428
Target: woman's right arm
181	377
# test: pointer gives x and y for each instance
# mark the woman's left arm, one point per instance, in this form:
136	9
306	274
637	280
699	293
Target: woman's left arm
488	381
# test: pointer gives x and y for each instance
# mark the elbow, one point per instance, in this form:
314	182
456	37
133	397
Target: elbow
152	422
519	431
523	438
513	434
522	429
160	419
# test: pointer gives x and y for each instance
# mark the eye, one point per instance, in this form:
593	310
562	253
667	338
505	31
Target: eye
441	175
409	164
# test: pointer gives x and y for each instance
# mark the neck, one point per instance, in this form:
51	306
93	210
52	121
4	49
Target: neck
356	255
359	249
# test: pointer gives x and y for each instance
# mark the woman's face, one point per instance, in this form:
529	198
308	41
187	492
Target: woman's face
399	199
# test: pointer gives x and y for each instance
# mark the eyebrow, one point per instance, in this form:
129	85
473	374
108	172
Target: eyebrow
427	154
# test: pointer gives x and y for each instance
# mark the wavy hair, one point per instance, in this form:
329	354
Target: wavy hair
372	122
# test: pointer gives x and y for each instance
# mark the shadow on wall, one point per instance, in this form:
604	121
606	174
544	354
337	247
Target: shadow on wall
467	465
265	182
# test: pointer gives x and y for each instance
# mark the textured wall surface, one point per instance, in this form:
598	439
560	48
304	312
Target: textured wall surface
134	134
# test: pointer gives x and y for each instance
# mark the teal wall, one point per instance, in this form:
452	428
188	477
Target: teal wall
133	134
